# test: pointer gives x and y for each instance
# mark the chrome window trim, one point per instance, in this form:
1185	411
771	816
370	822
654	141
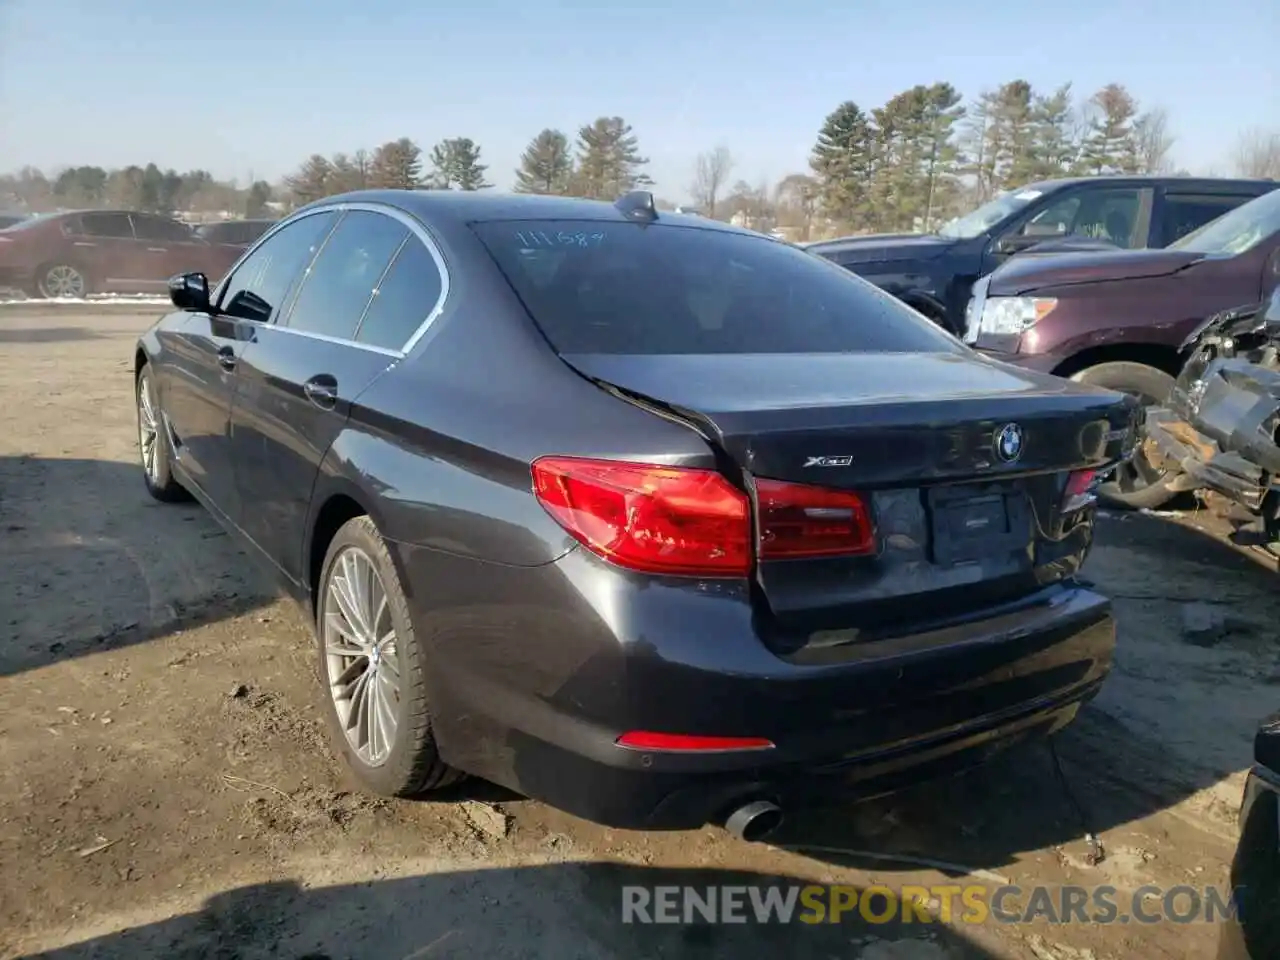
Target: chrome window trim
415	228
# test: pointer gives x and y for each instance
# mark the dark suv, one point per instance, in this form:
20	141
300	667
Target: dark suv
936	273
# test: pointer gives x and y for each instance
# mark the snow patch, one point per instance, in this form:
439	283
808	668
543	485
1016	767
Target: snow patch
11	298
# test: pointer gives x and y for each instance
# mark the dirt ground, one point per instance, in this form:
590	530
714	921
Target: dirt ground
167	791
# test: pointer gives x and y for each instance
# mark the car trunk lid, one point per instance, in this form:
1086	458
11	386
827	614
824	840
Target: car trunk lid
960	523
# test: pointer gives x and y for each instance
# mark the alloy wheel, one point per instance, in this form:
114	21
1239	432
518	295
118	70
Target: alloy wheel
361	657
148	430
63	282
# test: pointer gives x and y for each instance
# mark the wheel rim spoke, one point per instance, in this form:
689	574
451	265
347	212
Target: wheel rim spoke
360	655
148	430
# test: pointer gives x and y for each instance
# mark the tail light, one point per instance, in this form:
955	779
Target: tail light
1081	490
676	520
649	518
798	521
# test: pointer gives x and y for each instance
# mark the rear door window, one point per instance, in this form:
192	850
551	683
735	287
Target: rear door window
406	296
1185	212
106	225
344	276
625	288
160	229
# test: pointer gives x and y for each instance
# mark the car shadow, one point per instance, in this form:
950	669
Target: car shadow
47	335
562	910
93	563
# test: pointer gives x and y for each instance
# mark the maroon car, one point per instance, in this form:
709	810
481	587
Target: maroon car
1118	318
105	251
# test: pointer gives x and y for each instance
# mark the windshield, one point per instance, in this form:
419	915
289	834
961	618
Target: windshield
28	222
1235	232
989	214
611	288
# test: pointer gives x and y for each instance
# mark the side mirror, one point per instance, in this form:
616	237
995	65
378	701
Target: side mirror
1012	243
190	291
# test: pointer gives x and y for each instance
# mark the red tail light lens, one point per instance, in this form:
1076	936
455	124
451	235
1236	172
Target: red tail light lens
649	518
1080	490
676	742
798	521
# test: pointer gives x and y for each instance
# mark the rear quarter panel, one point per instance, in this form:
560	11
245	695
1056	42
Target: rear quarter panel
443	442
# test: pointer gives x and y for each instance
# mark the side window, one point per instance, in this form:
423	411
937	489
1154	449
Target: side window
404	299
341	282
1184	212
113	225
161	229
1098	213
261	284
1055	220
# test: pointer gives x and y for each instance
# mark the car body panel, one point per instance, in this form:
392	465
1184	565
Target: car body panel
538	652
1254	932
1221	425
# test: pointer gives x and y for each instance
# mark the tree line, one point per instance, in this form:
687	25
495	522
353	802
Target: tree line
922	157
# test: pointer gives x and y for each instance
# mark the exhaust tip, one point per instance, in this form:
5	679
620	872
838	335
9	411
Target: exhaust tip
754	821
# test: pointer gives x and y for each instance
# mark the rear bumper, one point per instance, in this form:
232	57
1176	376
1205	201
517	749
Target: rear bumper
1203	462
1254	933
535	672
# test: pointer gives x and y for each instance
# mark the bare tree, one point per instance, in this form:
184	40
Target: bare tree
797	201
711	173
1258	154
1152	141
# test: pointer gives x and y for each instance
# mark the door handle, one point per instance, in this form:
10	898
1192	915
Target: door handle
322	390
227	358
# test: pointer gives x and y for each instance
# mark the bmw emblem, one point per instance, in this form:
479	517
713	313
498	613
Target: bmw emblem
1008	442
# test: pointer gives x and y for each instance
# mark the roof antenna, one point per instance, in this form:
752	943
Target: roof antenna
638	205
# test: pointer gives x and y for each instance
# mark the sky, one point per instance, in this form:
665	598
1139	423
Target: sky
249	88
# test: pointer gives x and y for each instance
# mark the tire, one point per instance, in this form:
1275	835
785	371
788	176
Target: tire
405	763
57	280
156	472
1138	485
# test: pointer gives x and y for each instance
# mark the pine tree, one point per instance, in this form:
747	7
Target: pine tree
456	163
396	165
939	154
1110	146
255	203
312	181
842	162
1056	146
546	165
609	160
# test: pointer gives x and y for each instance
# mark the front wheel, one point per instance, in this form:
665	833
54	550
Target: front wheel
371	666
1138	484
153	445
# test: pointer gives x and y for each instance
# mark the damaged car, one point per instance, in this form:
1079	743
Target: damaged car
1120	319
1220	432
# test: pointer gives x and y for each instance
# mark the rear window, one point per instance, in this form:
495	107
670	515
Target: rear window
626	288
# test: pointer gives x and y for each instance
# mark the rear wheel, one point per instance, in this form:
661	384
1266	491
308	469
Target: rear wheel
1138	484
59	281
371	666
